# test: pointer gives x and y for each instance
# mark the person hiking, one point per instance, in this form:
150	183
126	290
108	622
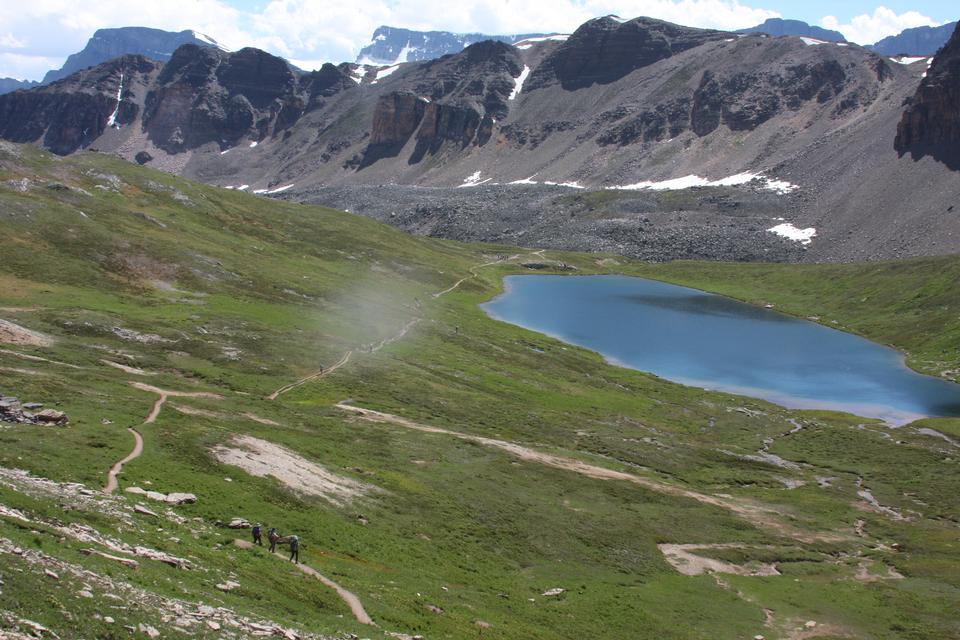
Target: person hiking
294	549
273	536
257	532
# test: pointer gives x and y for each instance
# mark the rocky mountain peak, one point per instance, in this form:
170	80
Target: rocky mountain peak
107	44
931	122
606	49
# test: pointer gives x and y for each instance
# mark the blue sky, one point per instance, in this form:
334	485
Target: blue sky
38	35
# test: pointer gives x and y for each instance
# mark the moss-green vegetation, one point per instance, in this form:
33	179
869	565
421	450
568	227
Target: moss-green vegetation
239	296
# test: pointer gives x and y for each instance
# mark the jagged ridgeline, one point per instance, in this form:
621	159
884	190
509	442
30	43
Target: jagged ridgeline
180	362
791	127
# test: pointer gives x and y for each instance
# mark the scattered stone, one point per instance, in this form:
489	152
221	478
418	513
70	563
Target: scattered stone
482	624
229	585
50	574
213	625
243	544
12	410
127	562
553	592
150	631
143	157
181	498
810	624
108	620
85	593
434	609
142	510
239	523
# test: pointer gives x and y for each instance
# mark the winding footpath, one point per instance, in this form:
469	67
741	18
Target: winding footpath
112	484
356	607
115	470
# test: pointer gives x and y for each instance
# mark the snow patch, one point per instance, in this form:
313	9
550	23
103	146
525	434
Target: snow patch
359	72
529	42
529	180
781	187
908	59
243	187
280	189
473	180
254	144
225	152
518	83
112	120
811	42
383	73
569	185
787	230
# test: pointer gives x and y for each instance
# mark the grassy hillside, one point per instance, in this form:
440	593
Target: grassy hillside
453	472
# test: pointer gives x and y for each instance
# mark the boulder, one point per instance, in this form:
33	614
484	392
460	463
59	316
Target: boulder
181	498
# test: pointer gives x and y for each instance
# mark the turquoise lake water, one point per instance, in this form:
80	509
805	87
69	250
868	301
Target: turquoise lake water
705	340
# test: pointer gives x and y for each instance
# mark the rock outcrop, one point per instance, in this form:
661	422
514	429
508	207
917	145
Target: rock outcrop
12	410
931	121
607	49
70	114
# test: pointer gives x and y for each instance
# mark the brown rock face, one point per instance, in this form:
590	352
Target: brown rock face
931	122
396	117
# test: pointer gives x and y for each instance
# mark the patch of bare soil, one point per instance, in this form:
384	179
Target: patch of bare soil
266	421
127	369
266	459
11	333
684	560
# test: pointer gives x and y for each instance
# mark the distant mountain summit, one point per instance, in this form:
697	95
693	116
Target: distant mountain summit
391	45
107	44
920	41
12	84
778	27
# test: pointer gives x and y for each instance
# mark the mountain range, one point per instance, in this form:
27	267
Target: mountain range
767	128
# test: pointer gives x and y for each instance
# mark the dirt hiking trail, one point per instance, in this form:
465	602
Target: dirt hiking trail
352	601
313	376
757	514
112	484
114	471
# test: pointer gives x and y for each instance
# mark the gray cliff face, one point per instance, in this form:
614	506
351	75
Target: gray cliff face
931	122
107	44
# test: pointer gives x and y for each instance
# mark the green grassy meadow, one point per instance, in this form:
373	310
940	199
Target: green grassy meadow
207	290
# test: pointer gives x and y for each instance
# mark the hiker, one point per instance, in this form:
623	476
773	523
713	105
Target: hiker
257	532
294	549
273	536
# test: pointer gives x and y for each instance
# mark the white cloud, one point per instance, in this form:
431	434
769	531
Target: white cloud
316	30
869	28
